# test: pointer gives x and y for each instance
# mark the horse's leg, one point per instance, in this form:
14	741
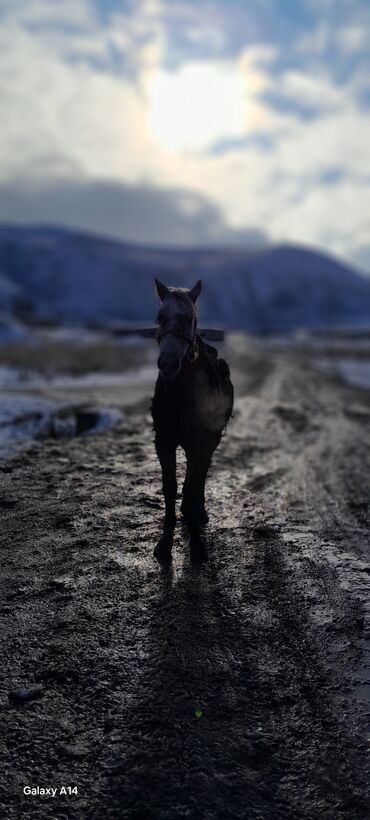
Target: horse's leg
204	518
185	503
167	456
198	465
183	507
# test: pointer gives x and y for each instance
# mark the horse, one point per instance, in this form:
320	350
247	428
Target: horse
192	404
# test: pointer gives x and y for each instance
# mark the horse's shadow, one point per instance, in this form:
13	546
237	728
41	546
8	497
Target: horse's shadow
225	700
194	715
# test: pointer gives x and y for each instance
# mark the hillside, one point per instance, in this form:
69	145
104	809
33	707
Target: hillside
71	276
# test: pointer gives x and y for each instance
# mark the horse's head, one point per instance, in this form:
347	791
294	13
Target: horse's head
177	320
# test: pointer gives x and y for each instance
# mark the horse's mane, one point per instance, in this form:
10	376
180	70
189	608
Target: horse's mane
214	367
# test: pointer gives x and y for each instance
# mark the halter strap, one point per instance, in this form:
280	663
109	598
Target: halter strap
176	333
187	363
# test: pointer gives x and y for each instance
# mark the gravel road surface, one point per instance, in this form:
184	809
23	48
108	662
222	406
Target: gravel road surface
235	689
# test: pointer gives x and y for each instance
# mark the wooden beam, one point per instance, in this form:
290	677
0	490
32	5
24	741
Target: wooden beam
213	334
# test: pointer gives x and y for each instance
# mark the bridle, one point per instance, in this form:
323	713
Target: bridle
178	333
192	342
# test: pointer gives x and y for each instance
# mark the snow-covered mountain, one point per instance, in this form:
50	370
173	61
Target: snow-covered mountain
12	296
79	277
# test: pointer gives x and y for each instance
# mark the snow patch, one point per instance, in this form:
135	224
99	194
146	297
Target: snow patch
355	372
25	419
13	377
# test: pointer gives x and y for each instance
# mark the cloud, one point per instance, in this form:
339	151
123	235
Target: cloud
351	39
76	107
314	90
51	106
139	213
45	14
340	34
361	257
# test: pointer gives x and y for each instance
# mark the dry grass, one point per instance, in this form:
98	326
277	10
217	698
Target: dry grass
48	357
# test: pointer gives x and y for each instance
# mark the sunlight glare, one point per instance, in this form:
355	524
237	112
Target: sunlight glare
197	106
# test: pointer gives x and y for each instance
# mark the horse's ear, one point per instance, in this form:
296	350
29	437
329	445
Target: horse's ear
195	291
161	289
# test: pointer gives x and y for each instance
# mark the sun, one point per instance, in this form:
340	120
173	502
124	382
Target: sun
197	106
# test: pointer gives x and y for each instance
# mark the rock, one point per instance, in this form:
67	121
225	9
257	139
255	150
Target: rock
74	751
62	583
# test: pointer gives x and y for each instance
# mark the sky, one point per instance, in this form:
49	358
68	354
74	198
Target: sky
189	121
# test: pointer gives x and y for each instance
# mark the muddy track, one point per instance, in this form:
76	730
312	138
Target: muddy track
210	693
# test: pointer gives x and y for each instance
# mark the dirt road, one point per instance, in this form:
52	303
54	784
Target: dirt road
208	693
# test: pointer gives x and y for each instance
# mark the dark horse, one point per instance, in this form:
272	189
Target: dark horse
192	404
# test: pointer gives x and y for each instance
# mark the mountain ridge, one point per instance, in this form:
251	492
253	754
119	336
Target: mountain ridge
73	276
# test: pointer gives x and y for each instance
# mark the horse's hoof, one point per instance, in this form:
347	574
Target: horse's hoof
163	550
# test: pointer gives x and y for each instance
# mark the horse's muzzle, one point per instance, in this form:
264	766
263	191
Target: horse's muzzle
168	366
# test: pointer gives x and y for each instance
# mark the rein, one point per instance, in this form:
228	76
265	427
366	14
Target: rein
188	362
